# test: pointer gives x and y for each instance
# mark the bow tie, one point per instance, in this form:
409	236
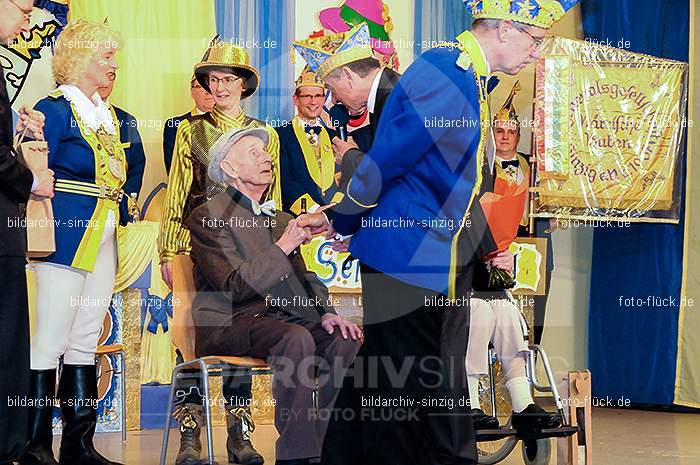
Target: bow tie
268	208
514	163
315	129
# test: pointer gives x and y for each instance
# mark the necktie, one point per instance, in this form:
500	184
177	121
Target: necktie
268	208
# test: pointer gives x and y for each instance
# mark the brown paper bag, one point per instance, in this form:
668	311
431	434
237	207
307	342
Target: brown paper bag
41	240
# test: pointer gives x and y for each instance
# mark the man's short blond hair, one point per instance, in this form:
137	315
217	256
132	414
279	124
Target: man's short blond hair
79	42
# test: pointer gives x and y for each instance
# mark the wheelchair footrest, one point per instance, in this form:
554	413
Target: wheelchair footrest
561	432
485	435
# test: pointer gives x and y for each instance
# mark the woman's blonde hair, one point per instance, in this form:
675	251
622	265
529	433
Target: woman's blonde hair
77	45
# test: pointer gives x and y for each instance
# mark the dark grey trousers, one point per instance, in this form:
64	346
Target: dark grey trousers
301	354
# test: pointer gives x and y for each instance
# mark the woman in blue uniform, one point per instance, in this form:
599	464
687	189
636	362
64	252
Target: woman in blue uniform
75	284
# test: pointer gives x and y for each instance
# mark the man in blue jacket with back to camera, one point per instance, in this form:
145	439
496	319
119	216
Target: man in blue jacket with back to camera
408	209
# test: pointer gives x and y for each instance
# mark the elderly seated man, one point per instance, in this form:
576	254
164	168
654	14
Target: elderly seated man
255	297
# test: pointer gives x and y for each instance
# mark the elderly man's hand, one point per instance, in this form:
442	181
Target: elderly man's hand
330	321
293	236
32	120
503	260
340	147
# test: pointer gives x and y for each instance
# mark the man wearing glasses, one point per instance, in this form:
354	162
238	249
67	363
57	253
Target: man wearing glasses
306	152
225	73
415	173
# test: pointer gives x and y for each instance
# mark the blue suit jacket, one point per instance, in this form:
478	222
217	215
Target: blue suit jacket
406	200
296	180
135	159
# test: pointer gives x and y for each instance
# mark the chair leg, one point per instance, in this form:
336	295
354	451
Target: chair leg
204	373
122	359
166	429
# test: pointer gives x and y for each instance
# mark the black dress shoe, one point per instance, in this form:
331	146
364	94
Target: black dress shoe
535	418
483	421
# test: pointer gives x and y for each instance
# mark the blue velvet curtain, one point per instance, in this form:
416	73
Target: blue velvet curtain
267	28
632	350
436	20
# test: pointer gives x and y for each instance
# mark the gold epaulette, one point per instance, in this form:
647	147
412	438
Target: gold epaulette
464	61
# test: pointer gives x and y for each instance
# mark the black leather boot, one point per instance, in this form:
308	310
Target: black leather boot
42	393
77	391
190	418
239	424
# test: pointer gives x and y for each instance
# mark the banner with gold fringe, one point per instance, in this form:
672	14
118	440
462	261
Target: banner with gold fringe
609	129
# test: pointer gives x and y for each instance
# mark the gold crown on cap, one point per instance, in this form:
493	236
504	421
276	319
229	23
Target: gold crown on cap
507	111
539	13
326	53
227	55
307	78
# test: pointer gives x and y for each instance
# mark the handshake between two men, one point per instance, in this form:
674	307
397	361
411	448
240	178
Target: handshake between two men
318	223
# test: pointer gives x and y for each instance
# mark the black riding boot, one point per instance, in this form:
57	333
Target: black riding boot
77	391
43	393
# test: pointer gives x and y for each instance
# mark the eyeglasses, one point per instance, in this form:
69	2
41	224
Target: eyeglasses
27	13
536	40
226	80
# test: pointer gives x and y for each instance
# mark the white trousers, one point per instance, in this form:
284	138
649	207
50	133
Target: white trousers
71	305
497	321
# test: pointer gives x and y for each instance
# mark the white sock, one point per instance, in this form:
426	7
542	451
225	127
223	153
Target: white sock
520	395
473	381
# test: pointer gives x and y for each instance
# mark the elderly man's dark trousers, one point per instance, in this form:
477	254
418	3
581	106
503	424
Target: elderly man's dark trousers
300	351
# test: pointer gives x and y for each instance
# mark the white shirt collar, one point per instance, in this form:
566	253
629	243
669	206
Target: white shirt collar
372	99
93	112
